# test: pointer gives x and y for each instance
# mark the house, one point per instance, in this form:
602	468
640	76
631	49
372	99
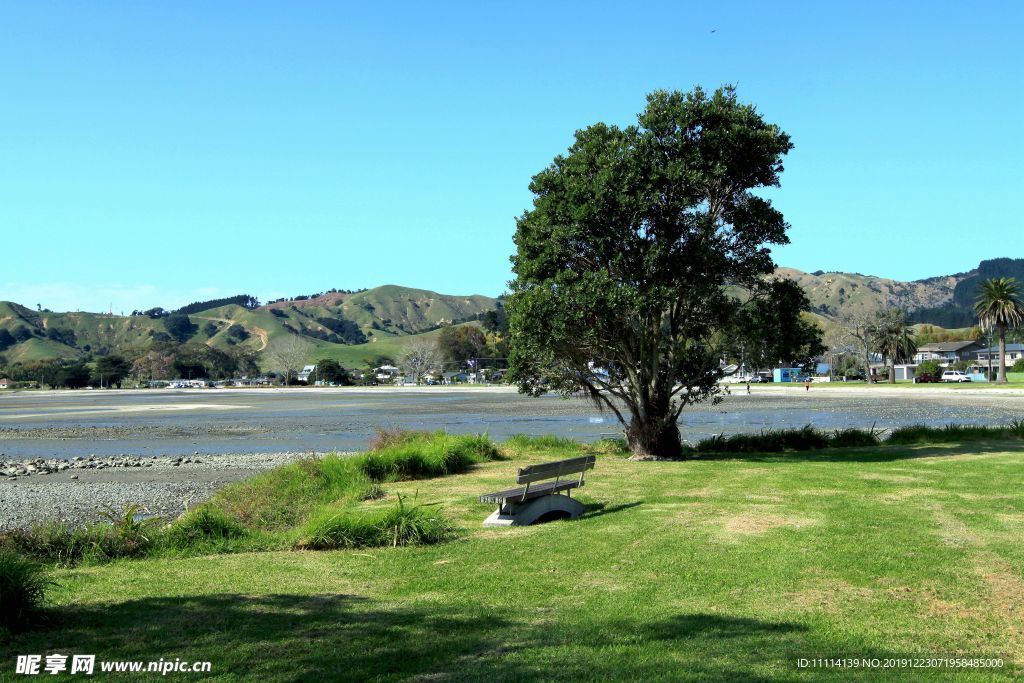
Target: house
386	373
1014	352
453	377
305	372
948	352
5	383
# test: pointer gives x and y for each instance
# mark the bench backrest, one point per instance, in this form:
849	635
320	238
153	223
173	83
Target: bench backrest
551	470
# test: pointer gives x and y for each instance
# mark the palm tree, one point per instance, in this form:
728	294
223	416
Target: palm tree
894	339
998	305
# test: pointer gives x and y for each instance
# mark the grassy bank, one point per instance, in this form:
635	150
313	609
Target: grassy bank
692	570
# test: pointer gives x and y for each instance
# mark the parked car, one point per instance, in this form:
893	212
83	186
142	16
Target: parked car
955	376
927	378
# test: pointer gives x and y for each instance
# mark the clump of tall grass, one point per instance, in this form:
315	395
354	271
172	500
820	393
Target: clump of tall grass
768	441
807	438
23	586
282	497
399	525
854	438
125	533
423	454
203	526
385	437
610	446
952	433
524	443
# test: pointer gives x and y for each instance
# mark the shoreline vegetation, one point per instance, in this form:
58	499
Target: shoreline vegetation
334	501
749	544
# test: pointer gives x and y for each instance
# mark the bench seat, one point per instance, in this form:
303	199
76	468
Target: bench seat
545	489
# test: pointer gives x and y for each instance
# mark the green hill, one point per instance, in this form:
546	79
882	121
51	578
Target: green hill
343	326
945	300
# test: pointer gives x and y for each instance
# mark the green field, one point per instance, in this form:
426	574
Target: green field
697	570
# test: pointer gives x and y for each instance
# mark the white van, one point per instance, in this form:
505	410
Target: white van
955	376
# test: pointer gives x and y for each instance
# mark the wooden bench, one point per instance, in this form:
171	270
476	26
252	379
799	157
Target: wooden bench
540	502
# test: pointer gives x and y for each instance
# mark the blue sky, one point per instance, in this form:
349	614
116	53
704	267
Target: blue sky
157	153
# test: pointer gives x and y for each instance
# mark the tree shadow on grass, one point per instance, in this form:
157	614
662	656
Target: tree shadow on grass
333	637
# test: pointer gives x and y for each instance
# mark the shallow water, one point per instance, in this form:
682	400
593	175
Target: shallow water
263	421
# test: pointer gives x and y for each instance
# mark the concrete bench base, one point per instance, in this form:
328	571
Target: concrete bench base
545	508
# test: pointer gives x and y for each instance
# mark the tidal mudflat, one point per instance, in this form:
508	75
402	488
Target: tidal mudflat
213	422
170	449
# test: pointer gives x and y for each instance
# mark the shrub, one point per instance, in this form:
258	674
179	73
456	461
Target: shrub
23	586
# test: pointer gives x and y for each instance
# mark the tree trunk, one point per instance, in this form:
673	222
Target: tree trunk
892	374
1002	353
654	436
867	367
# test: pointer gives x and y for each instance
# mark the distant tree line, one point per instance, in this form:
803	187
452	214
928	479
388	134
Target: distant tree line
246	301
164	360
306	297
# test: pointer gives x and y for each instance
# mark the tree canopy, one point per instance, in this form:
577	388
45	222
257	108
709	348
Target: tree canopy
643	246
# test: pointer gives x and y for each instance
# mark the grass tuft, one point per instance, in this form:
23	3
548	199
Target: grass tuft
203	526
399	525
955	433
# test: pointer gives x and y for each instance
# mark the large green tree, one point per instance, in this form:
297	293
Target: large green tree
999	306
643	246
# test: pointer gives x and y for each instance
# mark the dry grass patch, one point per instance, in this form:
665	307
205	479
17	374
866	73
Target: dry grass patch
824	592
760	521
952	530
892	478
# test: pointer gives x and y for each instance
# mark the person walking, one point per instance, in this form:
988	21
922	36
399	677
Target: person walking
807	384
748	387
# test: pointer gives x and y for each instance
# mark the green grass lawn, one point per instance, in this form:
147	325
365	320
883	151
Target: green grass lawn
699	570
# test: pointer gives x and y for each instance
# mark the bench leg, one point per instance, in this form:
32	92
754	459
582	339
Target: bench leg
539	509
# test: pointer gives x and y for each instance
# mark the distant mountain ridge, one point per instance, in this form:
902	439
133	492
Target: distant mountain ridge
326	320
944	300
336	321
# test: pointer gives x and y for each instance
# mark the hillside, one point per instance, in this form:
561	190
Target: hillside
348	327
944	300
352	326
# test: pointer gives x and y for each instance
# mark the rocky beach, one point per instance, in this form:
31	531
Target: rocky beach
80	489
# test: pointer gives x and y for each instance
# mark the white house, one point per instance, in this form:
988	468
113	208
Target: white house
1014	352
386	373
305	372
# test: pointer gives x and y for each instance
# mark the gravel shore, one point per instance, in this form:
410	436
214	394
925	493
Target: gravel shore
78	491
